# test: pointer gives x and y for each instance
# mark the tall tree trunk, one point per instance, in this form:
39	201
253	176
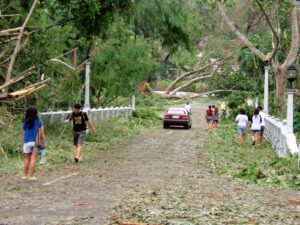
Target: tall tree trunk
280	88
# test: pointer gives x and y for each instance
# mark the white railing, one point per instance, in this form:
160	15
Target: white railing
277	133
58	117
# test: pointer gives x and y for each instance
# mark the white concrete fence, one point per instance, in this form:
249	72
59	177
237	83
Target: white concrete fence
100	114
282	140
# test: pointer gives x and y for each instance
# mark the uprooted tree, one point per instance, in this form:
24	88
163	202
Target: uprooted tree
18	38
198	73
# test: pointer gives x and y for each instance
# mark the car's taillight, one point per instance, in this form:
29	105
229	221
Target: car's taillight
166	116
184	117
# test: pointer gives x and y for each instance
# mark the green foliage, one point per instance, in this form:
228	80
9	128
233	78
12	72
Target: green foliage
171	22
120	66
90	17
145	117
60	149
258	165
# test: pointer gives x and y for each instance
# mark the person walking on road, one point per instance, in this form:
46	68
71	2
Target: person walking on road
262	125
80	119
256	127
216	118
242	121
188	108
209	118
32	129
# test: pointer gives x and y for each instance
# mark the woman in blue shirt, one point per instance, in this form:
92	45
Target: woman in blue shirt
32	127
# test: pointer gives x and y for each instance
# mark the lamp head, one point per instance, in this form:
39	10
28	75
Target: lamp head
291	75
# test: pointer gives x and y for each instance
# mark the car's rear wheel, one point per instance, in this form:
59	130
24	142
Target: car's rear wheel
166	126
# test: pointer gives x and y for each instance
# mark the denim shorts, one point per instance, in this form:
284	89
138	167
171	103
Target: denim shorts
29	147
241	129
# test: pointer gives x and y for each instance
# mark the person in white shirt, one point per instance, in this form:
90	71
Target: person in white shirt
188	108
262	124
242	121
256	127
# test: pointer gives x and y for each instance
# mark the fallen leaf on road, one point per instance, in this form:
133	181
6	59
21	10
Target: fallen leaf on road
294	201
81	203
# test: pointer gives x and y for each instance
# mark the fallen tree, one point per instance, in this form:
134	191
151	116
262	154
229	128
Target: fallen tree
195	75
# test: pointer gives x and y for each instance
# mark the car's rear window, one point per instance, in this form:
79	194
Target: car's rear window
176	112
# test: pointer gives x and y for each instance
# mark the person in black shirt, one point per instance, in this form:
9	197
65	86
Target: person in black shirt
80	119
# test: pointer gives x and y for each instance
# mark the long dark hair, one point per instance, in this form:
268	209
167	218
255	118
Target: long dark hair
31	115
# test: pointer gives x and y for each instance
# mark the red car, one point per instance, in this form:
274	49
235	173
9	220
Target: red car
177	117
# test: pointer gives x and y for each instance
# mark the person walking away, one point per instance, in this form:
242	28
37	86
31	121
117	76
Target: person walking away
216	118
213	109
209	117
188	108
242	121
263	124
31	128
80	119
256	127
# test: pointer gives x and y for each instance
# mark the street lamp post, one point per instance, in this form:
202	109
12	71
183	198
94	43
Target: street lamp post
133	99
291	77
256	100
87	85
266	87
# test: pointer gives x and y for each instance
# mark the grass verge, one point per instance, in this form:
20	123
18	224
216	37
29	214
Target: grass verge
259	165
60	149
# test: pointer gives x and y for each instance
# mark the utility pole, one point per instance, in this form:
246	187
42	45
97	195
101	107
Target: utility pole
87	85
266	88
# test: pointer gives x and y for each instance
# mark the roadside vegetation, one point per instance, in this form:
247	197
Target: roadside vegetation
60	149
258	165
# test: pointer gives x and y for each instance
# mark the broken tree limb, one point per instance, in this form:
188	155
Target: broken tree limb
210	92
31	92
193	81
16	95
19	38
12	30
174	82
23	76
64	63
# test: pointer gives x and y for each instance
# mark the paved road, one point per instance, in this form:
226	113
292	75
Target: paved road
161	176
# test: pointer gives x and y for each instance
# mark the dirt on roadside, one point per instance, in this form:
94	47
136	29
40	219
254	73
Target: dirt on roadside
160	177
